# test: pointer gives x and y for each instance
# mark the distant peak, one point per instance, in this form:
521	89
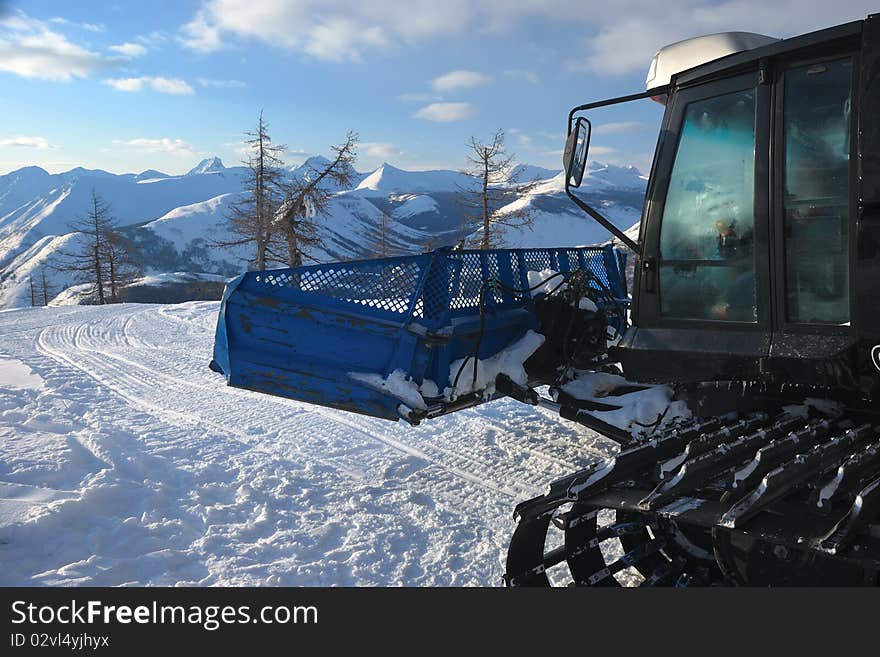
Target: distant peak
208	165
78	172
150	174
31	170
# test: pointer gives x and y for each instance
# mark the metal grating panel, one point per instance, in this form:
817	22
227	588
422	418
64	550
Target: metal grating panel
432	286
388	285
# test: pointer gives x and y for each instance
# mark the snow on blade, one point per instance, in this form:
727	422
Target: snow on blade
508	361
640	407
546	281
397	384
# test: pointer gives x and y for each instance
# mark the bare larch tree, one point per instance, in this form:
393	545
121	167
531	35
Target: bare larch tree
250	218
104	260
33	290
88	264
378	244
307	196
44	287
122	270
491	165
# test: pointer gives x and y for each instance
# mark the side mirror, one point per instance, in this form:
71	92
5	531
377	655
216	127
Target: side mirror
576	148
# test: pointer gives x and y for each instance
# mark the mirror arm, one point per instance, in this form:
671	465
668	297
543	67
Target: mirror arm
656	91
614	230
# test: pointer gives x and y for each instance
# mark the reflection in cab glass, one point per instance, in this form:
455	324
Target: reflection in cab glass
707	254
816	201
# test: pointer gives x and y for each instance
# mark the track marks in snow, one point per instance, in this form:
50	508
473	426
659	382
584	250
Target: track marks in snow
178	479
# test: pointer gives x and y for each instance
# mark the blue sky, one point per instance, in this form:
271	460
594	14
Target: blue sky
127	86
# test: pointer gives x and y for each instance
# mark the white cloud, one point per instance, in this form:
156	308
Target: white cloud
445	112
200	35
617	127
154	39
523	139
619	37
222	84
380	150
342	39
336	30
162	145
31	49
458	80
130	50
40	143
238	147
159	84
91	27
602	150
645	26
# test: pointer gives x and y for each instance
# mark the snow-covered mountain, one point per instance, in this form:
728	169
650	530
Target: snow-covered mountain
175	222
388	179
208	165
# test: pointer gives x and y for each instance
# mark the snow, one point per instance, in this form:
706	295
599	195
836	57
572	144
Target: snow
413	204
134	464
616	191
397	384
546	281
166	277
524	173
197	221
389	179
42	257
15	374
208	165
585	303
640	406
508	361
178	221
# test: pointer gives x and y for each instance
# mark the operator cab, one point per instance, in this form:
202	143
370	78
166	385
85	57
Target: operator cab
759	246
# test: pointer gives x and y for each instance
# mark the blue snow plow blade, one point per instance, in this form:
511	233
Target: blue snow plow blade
331	334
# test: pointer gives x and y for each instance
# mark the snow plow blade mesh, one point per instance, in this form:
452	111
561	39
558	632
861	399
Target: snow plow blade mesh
331	334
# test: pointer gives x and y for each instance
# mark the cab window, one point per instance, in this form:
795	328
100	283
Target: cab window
707	251
816	124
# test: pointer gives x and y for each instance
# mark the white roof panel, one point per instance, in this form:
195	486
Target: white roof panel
682	55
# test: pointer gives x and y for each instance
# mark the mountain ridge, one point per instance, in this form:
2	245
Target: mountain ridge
175	222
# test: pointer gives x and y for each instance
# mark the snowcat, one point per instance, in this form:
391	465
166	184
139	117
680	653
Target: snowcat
755	304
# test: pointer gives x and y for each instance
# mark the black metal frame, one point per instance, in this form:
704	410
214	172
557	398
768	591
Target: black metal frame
595	214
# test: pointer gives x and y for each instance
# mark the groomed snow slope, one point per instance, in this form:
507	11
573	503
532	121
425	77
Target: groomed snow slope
125	460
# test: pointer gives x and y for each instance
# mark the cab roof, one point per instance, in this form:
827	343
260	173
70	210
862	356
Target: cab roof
687	54
746	58
693	59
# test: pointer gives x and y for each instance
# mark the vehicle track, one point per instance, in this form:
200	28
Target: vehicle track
521	470
240	485
89	347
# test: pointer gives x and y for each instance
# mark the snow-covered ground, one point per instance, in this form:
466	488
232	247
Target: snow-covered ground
125	460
